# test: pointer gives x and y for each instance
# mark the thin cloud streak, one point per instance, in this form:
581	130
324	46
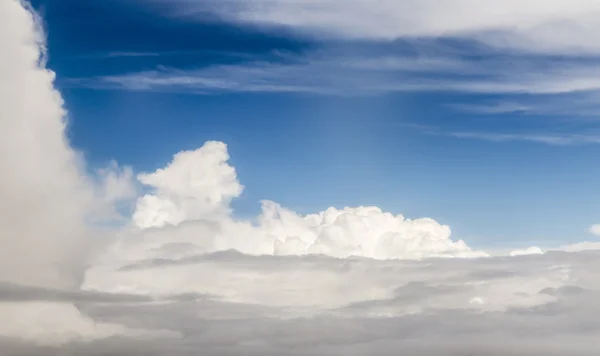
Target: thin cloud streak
549	139
331	74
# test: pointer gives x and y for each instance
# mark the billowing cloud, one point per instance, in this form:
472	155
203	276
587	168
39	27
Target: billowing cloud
46	196
43	192
197	184
192	195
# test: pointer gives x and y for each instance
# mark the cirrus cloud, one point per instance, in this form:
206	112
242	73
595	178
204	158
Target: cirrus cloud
547	26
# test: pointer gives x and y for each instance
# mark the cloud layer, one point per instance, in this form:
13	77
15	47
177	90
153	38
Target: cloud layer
232	304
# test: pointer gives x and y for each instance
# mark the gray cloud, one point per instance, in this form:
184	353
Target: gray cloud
17	293
562	322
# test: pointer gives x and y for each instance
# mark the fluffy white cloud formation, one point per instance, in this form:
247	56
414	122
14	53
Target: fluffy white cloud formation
198	186
46	196
43	193
531	25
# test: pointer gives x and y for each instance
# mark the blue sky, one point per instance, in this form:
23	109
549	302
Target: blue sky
495	135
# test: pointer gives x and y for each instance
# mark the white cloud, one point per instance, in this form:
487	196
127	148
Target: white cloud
550	139
116	183
350	73
43	192
46	196
595	230
116	189
197	184
533	250
574	105
509	27
554	26
273	296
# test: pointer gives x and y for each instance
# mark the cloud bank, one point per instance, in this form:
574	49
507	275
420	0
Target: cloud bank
229	303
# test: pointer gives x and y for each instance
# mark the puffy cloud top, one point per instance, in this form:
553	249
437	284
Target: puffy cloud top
361	231
196	184
197	187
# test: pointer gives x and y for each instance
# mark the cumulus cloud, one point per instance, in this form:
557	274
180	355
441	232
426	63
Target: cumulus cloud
47	197
196	184
42	189
549	26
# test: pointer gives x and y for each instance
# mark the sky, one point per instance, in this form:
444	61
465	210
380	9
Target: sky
461	122
293	177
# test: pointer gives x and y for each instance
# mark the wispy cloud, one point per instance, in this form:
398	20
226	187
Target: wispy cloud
131	54
580	105
332	73
501	107
542	26
565	139
134	54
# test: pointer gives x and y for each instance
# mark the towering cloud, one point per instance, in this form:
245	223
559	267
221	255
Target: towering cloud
46	197
43	191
